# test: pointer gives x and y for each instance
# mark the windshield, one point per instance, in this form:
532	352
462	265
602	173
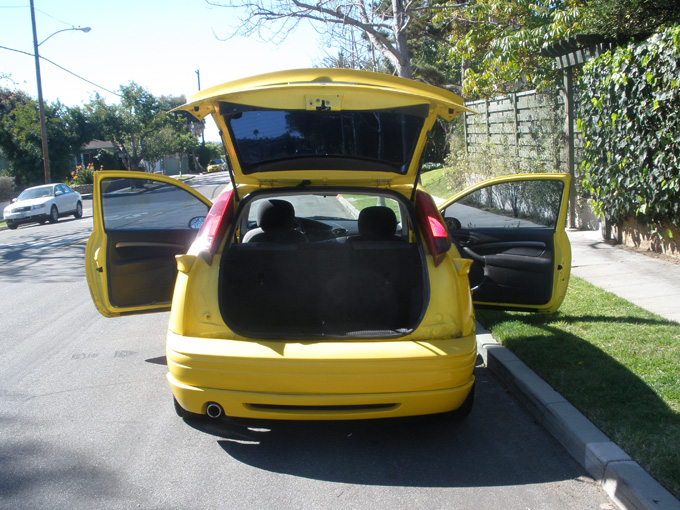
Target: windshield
326	217
270	140
36	193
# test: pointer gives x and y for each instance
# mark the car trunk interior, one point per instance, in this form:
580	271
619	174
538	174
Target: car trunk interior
320	290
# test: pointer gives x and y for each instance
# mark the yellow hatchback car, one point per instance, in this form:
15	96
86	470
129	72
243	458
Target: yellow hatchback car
324	283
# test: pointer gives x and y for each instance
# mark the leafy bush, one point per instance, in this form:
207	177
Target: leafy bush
6	187
630	121
82	175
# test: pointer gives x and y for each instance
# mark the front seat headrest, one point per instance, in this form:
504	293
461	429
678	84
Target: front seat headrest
275	214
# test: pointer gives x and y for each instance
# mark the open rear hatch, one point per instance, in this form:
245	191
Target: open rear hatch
325	126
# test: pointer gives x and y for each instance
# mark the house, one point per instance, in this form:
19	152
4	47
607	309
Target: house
170	165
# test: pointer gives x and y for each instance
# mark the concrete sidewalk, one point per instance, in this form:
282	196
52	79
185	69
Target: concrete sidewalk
650	283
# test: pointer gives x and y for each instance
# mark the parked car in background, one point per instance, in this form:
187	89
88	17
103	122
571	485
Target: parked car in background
43	203
325	283
216	165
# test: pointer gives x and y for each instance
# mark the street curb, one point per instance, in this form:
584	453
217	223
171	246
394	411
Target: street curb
630	486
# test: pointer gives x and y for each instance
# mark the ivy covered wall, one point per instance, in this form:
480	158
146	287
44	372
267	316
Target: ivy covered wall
629	117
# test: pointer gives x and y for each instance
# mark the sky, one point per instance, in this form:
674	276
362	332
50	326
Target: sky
159	44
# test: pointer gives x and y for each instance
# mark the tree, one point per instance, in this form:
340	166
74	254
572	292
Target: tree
20	139
383	24
616	18
139	125
498	42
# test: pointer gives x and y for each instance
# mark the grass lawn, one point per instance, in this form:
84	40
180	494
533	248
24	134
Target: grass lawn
436	183
617	363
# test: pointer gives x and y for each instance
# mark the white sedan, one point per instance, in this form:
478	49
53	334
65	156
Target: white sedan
43	203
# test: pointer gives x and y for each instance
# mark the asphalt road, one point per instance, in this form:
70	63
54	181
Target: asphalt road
86	420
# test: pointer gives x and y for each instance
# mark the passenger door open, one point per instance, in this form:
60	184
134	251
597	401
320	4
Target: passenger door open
513	229
141	221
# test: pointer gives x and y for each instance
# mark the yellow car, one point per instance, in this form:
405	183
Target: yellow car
216	165
325	284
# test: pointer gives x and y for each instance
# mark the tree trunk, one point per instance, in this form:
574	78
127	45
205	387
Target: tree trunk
403	63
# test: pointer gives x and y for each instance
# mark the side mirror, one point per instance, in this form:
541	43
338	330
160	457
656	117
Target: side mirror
58	193
452	223
196	222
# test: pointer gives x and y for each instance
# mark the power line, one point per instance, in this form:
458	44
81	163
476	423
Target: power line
63	69
55	19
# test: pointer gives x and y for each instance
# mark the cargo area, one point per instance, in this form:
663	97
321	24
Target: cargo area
330	289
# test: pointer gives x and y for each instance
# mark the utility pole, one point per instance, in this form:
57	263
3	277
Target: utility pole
198	75
41	105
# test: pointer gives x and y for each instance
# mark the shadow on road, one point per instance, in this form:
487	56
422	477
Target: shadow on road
46	255
488	449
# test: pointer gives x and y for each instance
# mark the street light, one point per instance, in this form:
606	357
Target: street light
81	29
41	105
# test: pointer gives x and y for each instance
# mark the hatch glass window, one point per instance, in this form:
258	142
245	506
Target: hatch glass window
266	140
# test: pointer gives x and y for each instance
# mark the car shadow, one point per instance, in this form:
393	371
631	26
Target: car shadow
618	401
497	445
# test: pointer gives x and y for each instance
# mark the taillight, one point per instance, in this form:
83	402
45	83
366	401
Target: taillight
215	225
433	227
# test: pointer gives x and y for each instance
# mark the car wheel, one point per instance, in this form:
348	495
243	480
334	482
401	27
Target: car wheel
79	211
54	214
464	410
12	226
183	413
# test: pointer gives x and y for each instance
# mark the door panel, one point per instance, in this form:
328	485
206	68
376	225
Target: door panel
512	228
509	266
142	266
141	222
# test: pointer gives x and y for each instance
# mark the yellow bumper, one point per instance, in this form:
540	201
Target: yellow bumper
321	381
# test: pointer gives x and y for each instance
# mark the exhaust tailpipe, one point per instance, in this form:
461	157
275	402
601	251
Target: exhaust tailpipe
213	410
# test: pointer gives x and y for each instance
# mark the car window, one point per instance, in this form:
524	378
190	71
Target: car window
382	140
337	206
334	216
139	204
525	204
36	193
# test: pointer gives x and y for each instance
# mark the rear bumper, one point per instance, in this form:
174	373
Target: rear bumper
273	406
332	381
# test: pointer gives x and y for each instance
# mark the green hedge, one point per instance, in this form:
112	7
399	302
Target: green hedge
630	120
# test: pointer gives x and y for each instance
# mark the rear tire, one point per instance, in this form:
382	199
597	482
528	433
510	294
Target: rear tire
79	211
54	214
464	410
183	413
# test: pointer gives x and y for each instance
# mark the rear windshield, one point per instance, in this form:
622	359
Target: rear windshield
271	140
